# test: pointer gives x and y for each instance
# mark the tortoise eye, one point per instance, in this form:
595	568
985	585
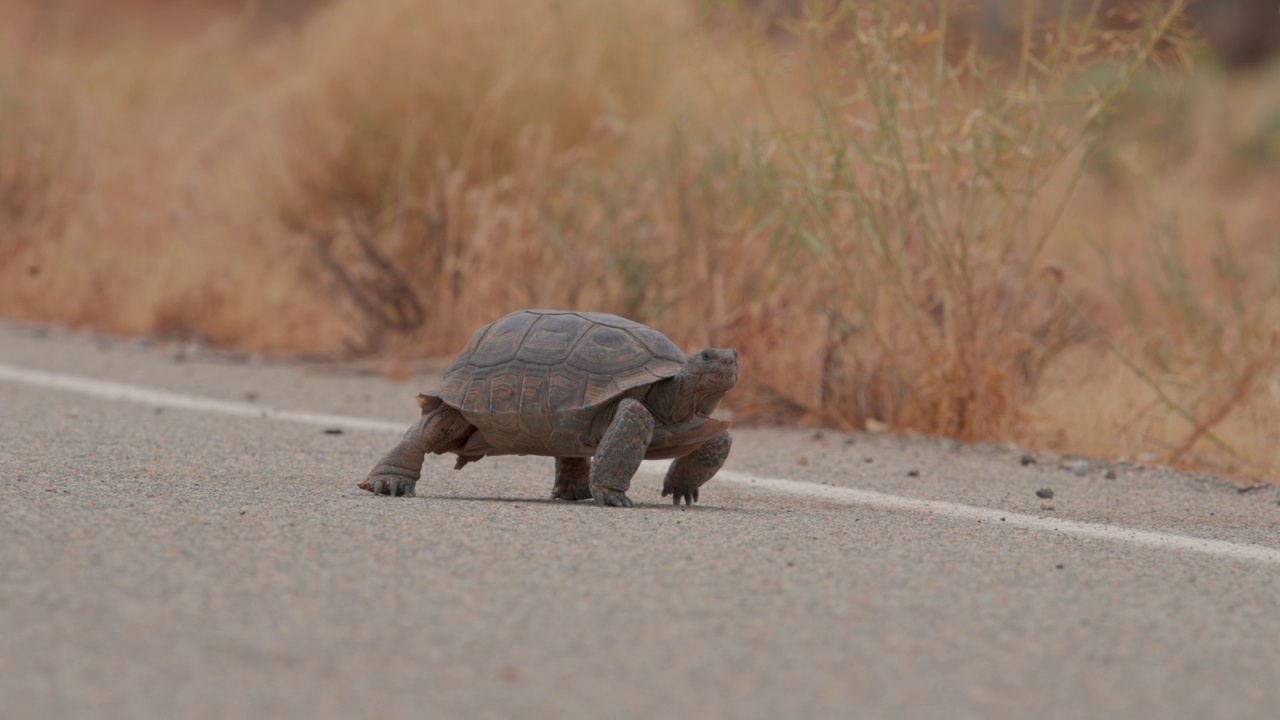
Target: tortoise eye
705	355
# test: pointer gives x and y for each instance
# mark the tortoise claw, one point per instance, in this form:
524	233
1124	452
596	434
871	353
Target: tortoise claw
689	496
611	498
392	485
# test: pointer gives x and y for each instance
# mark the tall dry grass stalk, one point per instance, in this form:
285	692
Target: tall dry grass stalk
924	185
1175	248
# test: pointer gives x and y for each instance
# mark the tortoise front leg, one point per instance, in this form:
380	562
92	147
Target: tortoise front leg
619	453
398	471
573	479
692	471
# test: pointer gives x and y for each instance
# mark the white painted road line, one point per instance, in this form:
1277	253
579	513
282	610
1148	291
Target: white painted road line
1075	528
108	390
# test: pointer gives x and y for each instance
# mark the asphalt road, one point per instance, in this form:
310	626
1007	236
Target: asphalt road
180	545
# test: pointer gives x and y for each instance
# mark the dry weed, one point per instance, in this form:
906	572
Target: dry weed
890	226
435	142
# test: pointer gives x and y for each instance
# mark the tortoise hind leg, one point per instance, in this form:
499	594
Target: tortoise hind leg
573	479
619	453
438	431
690	472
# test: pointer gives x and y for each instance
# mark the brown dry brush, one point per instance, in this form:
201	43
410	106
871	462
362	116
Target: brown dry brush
873	240
872	214
882	259
917	190
1202	336
36	155
533	173
436	145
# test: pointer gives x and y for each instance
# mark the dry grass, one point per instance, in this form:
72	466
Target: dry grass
162	226
887	227
1182	262
427	193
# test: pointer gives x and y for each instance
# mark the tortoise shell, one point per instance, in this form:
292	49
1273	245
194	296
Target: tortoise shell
535	381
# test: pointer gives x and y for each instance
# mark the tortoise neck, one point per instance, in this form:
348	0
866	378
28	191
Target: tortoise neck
664	400
676	400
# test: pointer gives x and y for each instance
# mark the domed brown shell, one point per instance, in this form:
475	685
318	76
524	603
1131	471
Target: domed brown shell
534	381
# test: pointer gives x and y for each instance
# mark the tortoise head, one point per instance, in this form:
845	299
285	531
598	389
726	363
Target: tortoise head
696	390
710	373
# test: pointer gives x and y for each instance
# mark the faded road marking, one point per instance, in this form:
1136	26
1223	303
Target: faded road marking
108	390
1075	528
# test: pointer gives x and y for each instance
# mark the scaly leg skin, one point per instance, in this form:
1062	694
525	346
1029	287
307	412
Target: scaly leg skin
690	472
619	453
399	470
573	479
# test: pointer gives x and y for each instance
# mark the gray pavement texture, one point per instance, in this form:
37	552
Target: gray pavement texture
181	564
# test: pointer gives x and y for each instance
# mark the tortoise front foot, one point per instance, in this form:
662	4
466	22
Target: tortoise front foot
690	472
688	494
389	484
611	498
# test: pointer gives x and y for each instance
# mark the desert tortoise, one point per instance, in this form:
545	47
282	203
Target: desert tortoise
574	386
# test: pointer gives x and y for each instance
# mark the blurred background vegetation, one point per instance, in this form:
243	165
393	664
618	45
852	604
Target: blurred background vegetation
1052	223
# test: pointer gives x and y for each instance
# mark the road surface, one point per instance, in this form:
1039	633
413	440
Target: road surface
181	537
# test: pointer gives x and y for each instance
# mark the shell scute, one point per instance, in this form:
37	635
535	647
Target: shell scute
501	342
566	385
600	389
551	339
604	349
657	343
534	392
505	395
477	394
